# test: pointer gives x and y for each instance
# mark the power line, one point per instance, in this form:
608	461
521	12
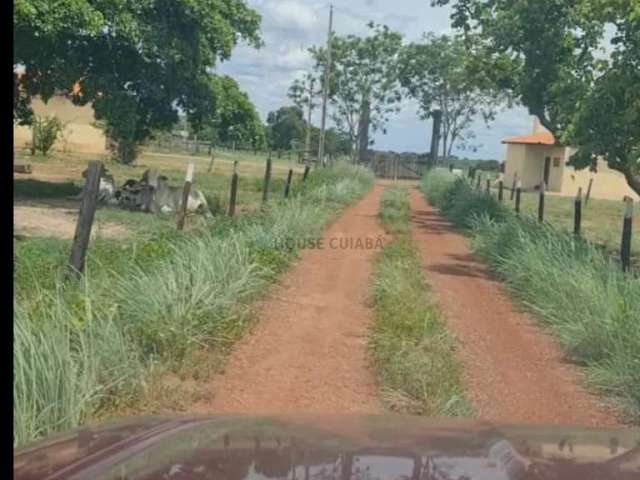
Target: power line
325	89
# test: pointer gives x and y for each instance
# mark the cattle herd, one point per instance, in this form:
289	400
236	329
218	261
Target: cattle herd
151	194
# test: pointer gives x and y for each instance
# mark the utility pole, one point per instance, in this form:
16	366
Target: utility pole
307	142
325	89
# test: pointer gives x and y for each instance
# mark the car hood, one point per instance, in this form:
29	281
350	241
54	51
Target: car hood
327	448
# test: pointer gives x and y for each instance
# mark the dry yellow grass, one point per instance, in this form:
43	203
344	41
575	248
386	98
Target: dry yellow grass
61	167
59	175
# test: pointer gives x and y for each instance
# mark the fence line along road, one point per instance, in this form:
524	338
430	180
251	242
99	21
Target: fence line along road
627	229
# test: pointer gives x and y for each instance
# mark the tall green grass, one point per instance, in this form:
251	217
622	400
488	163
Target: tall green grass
67	361
574	288
458	200
410	347
394	210
80	347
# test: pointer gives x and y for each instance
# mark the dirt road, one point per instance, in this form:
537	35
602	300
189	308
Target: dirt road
308	352
513	372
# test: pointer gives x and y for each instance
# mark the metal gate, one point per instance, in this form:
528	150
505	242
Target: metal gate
408	167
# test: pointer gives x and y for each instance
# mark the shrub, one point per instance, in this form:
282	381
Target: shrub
435	185
45	131
459	201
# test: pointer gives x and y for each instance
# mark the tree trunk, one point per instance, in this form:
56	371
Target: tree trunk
364	131
445	142
453	140
435	136
633	180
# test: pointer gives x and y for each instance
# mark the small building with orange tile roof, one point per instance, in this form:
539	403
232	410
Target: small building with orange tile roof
538	157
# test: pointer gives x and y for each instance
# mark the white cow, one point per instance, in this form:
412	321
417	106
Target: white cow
153	193
167	199
106	189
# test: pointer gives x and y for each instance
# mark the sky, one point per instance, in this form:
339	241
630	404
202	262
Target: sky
290	27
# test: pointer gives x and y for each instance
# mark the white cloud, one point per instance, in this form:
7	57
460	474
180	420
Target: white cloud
291	14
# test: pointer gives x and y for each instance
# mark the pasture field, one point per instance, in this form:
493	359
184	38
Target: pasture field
59	175
601	219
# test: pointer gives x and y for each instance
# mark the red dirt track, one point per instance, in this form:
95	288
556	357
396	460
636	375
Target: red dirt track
513	372
308	352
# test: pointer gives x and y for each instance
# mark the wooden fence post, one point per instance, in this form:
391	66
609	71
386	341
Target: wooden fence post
543	187
518	195
588	196
577	214
85	218
395	168
186	190
488	186
307	168
625	251
234	190
287	187
513	186
267	180
211	162
478	182
500	190
150	184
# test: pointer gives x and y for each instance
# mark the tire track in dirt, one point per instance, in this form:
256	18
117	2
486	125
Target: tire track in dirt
308	353
514	373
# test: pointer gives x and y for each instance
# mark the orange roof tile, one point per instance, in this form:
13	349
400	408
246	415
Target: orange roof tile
541	138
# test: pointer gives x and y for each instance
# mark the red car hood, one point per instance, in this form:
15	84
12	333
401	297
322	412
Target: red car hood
327	448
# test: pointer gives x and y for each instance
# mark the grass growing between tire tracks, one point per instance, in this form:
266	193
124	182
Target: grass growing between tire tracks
413	354
570	284
83	348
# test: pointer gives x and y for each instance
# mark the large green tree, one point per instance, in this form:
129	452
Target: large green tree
286	128
337	143
441	73
606	121
232	118
139	62
556	58
364	86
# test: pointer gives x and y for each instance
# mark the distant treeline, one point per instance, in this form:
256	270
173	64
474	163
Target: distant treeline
457	163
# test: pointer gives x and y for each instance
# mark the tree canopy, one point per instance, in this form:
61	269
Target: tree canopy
138	62
286	128
557	59
336	143
364	87
440	73
232	119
